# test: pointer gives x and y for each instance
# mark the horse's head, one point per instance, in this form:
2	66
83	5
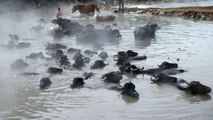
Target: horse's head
76	7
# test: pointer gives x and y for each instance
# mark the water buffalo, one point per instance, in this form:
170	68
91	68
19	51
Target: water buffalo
165	68
86	59
55	46
53	70
116	34
143	57
66	27
90	52
19	64
129	68
172	71
35	55
64	61
103	55
162	78
131	53
77	56
57	54
157	71
77	83
129	90
91	35
193	88
44	83
112	77
87	35
123	57
98	64
167	65
22	45
63	23
79	63
145	32
79	60
73	51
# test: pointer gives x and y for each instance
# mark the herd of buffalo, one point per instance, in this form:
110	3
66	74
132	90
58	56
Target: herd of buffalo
88	34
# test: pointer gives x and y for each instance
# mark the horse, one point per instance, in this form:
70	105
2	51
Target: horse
105	18
85	9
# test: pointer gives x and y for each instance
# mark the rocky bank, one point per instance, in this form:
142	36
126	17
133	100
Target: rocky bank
195	13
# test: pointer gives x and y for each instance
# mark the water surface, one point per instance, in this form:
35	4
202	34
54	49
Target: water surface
189	41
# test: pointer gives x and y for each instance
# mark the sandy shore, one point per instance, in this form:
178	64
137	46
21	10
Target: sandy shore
196	13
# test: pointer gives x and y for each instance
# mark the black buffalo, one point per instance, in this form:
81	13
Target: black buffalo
53	70
98	64
163	78
18	64
145	32
77	83
193	88
91	35
112	77
129	90
44	83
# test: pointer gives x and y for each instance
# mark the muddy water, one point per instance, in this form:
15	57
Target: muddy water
189	41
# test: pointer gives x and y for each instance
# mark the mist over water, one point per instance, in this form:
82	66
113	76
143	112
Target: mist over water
189	41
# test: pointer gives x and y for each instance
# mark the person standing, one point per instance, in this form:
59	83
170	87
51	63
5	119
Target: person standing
121	5
58	13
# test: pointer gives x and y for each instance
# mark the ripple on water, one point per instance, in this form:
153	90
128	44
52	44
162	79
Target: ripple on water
189	41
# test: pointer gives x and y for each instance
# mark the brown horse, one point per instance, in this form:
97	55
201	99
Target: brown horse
85	9
105	18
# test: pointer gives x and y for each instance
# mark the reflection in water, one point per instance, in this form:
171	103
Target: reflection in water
194	98
143	43
128	99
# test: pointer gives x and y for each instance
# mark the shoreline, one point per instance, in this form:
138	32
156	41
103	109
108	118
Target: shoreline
193	12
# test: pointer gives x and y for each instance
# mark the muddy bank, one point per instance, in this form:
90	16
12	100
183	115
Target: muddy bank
196	13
